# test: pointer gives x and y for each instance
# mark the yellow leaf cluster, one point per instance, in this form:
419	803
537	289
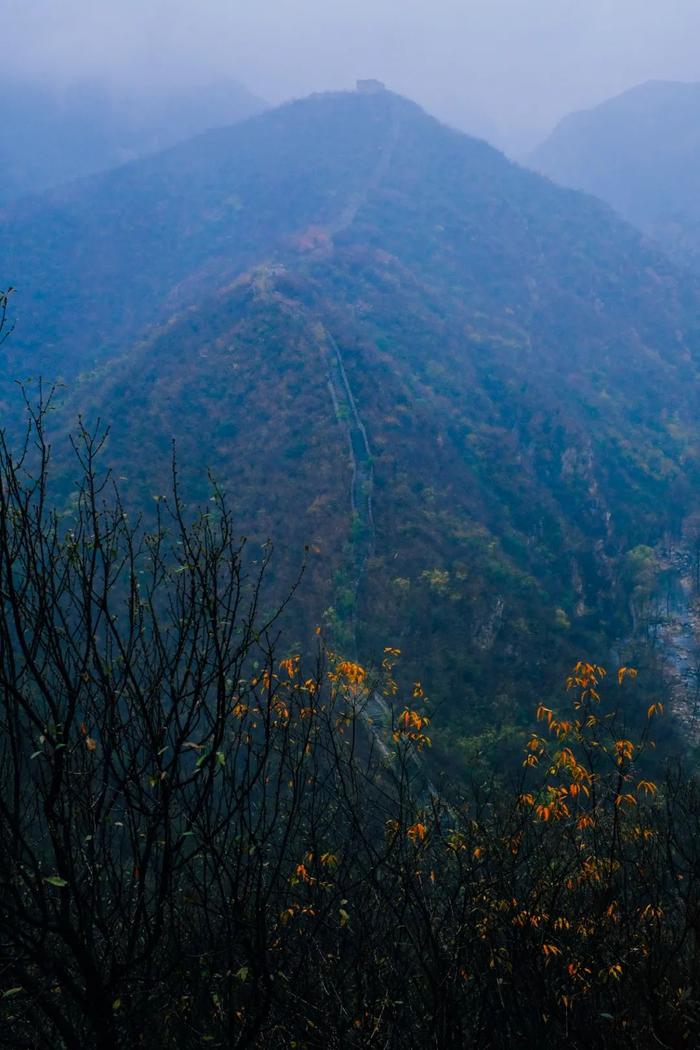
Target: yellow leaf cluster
417	832
626	672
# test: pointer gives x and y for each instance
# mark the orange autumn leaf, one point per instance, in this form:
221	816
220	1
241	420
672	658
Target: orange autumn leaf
417	832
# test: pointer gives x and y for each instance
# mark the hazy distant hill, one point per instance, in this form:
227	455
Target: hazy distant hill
640	152
51	135
472	393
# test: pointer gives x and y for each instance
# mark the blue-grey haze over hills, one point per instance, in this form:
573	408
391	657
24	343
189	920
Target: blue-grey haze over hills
640	152
347	257
505	314
324	422
347	273
452	403
506	70
54	133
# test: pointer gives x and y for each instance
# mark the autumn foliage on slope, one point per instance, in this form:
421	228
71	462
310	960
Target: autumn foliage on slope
206	843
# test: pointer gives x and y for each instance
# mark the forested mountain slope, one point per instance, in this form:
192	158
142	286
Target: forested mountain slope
470	393
51	134
96	260
640	152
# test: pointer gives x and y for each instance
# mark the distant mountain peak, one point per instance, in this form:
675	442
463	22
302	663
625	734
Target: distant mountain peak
55	133
640	152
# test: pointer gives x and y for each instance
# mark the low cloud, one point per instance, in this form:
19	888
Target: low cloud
507	69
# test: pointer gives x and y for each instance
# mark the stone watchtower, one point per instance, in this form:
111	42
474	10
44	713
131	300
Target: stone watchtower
370	87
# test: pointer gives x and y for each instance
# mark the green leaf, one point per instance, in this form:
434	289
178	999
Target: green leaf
56	880
12	991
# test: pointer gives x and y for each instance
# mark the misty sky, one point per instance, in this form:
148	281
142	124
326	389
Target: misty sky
506	69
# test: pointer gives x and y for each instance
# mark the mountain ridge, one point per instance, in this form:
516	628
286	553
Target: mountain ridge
503	342
640	152
53	134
